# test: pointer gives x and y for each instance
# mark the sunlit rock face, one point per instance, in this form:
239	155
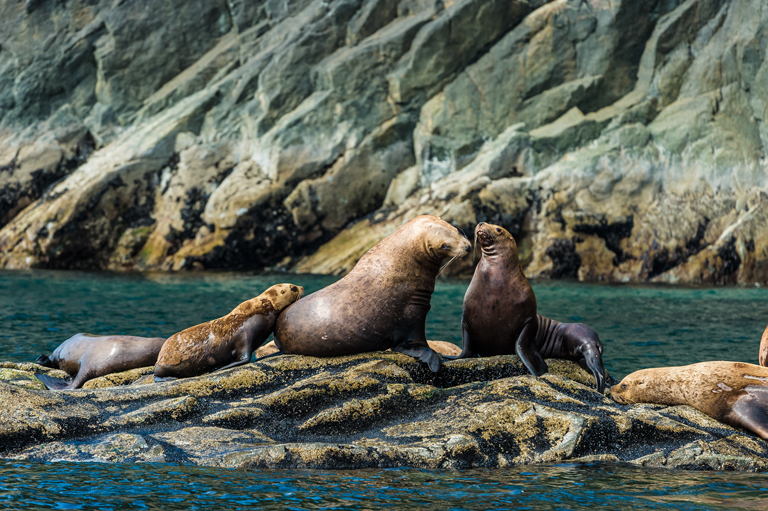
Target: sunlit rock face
373	410
620	141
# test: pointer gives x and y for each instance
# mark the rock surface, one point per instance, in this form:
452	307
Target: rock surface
373	410
617	140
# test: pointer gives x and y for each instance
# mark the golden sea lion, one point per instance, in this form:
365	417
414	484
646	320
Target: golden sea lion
225	342
733	393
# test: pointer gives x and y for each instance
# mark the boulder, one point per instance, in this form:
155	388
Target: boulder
374	410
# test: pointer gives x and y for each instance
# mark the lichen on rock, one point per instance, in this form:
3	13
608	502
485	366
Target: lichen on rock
379	409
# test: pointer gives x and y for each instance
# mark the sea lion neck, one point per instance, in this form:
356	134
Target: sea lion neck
502	253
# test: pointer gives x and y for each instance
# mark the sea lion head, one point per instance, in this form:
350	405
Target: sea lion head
634	388
440	239
283	295
495	239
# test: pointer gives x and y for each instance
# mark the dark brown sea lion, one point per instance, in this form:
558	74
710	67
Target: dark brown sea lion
225	342
572	341
499	316
764	349
733	393
382	303
86	356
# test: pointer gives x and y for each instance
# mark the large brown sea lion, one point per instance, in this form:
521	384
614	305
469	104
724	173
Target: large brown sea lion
382	303
733	393
499	315
86	356
763	357
225	342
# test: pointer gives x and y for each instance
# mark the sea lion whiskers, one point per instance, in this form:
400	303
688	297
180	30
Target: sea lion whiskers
445	265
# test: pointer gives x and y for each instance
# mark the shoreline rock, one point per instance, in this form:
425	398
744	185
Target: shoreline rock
371	410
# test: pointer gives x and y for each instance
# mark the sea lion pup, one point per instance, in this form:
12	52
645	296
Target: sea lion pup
572	341
734	393
764	349
499	315
87	356
225	342
382	303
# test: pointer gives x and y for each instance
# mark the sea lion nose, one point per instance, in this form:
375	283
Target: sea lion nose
467	248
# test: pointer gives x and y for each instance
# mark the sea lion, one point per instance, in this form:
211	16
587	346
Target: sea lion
225	342
499	315
442	347
87	356
764	349
733	393
572	341
382	303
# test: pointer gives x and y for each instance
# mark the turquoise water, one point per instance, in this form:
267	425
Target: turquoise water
640	326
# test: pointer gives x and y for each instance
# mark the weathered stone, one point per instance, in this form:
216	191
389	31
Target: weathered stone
372	410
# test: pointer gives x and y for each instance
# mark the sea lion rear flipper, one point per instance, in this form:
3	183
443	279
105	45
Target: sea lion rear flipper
750	411
423	353
44	361
54	383
525	348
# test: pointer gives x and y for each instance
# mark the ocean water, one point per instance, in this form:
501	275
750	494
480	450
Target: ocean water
640	326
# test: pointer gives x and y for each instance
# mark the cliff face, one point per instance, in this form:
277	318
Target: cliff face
616	140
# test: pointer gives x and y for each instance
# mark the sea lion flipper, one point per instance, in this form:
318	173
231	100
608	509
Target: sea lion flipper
44	361
54	383
525	348
467	349
750	411
423	353
592	362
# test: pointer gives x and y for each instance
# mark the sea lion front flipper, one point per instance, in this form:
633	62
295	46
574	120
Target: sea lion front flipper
525	348
423	353
44	361
54	383
467	350
750	411
592	362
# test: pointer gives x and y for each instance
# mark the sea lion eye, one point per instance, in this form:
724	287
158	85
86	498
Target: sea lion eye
498	230
623	386
445	247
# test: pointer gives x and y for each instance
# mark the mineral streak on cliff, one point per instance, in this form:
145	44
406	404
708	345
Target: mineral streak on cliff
617	140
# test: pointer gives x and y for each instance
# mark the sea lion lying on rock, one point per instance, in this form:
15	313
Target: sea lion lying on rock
499	315
225	342
733	393
382	303
86	356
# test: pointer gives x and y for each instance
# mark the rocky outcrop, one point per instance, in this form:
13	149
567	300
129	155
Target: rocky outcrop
617	140
373	410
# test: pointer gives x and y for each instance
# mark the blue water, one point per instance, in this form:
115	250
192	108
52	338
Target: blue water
640	326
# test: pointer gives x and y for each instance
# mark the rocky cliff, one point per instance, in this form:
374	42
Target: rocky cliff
617	140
